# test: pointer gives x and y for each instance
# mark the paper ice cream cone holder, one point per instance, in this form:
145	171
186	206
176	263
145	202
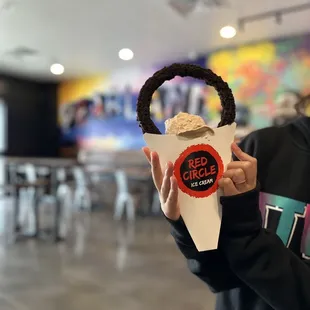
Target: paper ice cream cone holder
199	162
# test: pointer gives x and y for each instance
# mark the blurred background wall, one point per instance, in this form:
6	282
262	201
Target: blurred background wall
32	117
266	77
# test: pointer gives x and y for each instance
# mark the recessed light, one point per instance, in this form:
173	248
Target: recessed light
57	69
125	54
228	32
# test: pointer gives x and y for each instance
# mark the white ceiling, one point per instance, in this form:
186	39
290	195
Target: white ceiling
85	36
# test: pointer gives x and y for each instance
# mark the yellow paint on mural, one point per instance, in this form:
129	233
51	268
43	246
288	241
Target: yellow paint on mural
70	91
221	61
227	64
263	53
224	61
213	100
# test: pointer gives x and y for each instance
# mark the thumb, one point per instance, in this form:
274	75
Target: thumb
171	207
228	187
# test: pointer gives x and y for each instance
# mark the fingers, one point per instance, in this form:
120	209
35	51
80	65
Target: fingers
239	179
228	187
147	153
165	187
237	175
241	175
165	184
249	169
156	170
241	155
172	210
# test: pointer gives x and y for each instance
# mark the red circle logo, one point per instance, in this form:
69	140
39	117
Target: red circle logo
198	170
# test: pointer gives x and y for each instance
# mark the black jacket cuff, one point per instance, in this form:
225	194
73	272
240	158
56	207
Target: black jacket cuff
241	213
180	233
178	224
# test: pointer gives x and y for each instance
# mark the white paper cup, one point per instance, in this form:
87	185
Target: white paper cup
199	164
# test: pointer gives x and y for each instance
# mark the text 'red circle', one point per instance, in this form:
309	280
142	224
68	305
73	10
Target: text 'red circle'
198	170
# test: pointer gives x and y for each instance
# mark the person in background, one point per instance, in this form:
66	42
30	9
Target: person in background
285	107
303	106
260	280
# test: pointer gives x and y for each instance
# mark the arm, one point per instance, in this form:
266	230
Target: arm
259	258
211	266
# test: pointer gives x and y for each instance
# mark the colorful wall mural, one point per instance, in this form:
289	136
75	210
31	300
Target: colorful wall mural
267	79
260	74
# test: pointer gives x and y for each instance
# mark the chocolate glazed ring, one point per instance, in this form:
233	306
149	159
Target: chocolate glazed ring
228	113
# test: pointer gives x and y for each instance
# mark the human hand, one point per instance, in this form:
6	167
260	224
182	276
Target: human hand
166	185
240	176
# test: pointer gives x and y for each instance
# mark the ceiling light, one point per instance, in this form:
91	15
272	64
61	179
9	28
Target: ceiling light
125	54
228	32
57	69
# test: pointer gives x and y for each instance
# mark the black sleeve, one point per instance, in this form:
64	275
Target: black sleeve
259	258
209	266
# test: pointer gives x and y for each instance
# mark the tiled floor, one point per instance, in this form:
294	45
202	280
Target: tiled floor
103	266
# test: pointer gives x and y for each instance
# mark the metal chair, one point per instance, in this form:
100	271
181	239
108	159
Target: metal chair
156	203
82	198
27	195
64	196
62	203
124	199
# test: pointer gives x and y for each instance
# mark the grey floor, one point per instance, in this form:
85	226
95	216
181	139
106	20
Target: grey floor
102	266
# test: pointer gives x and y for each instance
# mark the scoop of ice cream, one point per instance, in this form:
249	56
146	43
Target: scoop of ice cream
183	122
